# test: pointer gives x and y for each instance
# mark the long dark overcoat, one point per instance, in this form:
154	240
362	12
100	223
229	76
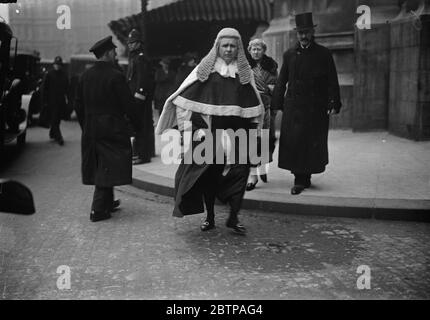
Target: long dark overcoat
104	99
140	79
55	88
313	89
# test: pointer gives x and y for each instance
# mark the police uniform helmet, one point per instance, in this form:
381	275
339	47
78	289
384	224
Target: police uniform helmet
58	60
134	36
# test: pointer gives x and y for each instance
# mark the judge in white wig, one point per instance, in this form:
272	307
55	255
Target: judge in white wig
220	93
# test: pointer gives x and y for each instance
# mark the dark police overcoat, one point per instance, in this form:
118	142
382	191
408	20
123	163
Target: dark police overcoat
104	99
313	89
140	79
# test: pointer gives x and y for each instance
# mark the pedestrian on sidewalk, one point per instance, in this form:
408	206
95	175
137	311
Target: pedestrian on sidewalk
312	96
219	93
55	90
265	71
103	100
140	77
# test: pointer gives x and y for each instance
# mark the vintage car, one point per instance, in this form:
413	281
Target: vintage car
14	196
20	72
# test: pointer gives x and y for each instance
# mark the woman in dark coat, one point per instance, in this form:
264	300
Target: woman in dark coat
265	73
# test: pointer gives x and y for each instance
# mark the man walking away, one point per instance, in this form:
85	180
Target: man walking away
104	99
54	94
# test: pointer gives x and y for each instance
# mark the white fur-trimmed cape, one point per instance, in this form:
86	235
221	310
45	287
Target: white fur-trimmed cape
168	118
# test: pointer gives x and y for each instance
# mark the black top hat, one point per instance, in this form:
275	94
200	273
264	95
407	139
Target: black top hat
304	21
102	46
58	61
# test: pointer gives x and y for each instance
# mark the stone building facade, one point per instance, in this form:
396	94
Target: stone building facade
34	23
383	71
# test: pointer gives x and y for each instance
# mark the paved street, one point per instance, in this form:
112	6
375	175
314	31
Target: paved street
145	253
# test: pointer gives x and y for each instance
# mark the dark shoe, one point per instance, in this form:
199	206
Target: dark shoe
140	161
263	177
297	189
60	142
99	216
237	228
115	204
308	184
207	226
251	186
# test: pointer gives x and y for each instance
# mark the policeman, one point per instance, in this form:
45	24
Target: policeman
103	100
140	78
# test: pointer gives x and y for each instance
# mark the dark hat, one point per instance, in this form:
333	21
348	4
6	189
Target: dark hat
134	36
304	21
58	60
102	46
188	56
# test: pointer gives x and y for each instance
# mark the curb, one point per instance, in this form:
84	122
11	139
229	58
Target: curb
381	209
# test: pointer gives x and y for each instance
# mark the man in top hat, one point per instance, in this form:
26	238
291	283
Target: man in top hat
140	78
312	96
103	100
54	98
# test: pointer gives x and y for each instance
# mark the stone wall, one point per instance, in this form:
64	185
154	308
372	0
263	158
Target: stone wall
371	78
409	113
335	20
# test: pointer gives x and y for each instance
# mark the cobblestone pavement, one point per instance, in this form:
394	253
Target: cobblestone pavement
145	253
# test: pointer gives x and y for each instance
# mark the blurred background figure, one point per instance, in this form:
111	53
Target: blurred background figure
265	74
55	91
12	102
140	79
164	83
35	105
189	62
